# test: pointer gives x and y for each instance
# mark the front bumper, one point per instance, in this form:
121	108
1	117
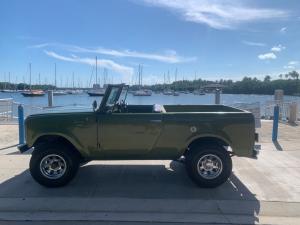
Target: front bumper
23	148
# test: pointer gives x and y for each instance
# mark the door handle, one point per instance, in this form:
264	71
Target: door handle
155	121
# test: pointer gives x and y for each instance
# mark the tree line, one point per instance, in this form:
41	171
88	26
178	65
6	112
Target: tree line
24	86
288	82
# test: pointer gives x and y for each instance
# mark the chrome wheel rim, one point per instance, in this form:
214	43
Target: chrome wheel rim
209	166
53	166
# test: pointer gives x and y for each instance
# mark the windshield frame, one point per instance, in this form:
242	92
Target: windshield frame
103	106
126	88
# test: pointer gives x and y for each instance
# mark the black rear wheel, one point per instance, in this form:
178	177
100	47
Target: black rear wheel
208	165
53	165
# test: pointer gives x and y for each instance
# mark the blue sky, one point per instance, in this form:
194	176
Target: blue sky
211	39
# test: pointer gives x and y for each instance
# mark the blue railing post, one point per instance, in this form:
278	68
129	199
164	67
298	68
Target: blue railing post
21	124
275	123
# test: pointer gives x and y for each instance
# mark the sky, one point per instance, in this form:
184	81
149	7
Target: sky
207	39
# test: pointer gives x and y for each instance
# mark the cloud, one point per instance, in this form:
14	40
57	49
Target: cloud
278	48
43	45
169	56
257	44
267	56
283	30
109	64
293	62
291	65
218	14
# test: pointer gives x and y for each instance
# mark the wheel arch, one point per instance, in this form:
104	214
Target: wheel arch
54	138
207	140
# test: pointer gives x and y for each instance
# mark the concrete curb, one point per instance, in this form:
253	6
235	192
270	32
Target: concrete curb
174	206
183	218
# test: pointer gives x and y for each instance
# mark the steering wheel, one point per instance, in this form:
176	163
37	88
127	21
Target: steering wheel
123	106
120	107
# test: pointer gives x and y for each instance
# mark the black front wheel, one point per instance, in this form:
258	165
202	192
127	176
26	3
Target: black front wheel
53	166
209	166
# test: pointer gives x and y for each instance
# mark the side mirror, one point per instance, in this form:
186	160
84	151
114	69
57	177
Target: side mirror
95	105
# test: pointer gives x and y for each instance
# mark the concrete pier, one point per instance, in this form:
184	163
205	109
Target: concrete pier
260	191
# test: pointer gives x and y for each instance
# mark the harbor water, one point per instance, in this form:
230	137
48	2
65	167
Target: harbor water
84	101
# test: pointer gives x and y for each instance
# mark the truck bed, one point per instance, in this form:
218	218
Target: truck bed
200	108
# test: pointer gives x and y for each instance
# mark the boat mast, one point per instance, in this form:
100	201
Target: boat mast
55	75
96	72
73	79
141	76
30	76
139	73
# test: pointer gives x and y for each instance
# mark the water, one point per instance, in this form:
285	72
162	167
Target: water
185	99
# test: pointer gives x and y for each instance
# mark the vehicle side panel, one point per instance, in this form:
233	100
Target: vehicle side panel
180	129
78	128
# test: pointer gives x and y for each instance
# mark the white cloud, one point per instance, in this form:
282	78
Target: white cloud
278	48
257	44
43	45
293	62
267	56
109	64
169	56
291	65
283	30
218	14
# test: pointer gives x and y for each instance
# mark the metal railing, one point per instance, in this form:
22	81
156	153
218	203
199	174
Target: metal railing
9	110
6	110
284	109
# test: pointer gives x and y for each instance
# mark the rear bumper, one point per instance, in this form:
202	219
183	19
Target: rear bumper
256	148
23	148
256	137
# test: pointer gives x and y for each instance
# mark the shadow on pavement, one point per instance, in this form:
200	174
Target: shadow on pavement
7	147
277	146
135	182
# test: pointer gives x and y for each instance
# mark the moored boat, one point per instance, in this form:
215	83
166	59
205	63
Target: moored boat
97	90
33	93
142	92
59	93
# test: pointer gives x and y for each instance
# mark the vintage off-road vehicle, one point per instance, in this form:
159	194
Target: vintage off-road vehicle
203	136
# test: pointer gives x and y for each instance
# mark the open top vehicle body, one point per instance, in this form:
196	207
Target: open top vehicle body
116	131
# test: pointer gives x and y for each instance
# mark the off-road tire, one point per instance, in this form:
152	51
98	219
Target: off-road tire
45	149
194	155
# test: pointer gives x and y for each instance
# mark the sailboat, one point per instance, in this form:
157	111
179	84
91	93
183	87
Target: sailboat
167	90
175	93
32	93
57	92
199	92
140	91
97	90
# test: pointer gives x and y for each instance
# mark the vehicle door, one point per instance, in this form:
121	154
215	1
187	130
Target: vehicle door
129	134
